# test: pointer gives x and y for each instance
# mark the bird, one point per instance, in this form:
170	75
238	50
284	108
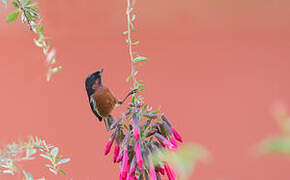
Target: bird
101	99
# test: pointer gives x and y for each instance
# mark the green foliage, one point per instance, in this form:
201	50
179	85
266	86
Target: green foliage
14	153
183	160
276	145
12	16
30	16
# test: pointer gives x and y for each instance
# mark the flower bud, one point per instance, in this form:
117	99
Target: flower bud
124	168
150	115
132	167
108	146
136	133
166	120
120	157
152	172
164	141
116	152
169	172
161	170
138	155
176	135
173	142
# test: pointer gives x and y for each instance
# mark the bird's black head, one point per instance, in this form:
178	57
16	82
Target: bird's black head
91	80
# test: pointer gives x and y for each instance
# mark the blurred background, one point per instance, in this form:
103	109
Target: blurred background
215	68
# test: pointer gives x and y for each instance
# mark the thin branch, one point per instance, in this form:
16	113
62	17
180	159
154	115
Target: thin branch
129	41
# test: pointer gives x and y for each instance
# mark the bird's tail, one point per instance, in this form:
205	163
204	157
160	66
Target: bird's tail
108	122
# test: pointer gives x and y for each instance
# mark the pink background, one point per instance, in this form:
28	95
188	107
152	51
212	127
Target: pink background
215	68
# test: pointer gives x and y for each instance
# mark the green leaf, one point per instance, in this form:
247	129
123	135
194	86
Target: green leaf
15	4
45	156
276	145
140	59
141	89
52	170
125	126
37	43
56	69
125	32
128	78
54	152
62	171
62	161
12	16
155	112
133	17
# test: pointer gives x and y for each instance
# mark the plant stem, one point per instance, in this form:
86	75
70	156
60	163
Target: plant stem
129	41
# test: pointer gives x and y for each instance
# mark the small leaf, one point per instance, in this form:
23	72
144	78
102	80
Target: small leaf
128	78
37	43
15	4
140	59
141	89
126	127
133	17
62	161
12	16
52	170
62	171
55	70
156	111
54	152
45	156
125	32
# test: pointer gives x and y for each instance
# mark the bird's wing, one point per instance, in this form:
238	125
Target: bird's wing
94	109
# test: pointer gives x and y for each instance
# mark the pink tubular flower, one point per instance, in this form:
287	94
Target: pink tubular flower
120	157
136	133
132	167
173	142
108	146
124	168
164	141
161	170
152	172
163	145
116	152
176	135
169	172
138	155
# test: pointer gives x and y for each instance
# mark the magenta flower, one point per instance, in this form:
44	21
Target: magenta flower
108	146
116	152
161	170
120	157
164	141
152	172
169	172
132	167
163	145
138	155
173	142
136	133
176	135
124	168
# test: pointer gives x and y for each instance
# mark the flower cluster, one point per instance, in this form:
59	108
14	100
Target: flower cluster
136	140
